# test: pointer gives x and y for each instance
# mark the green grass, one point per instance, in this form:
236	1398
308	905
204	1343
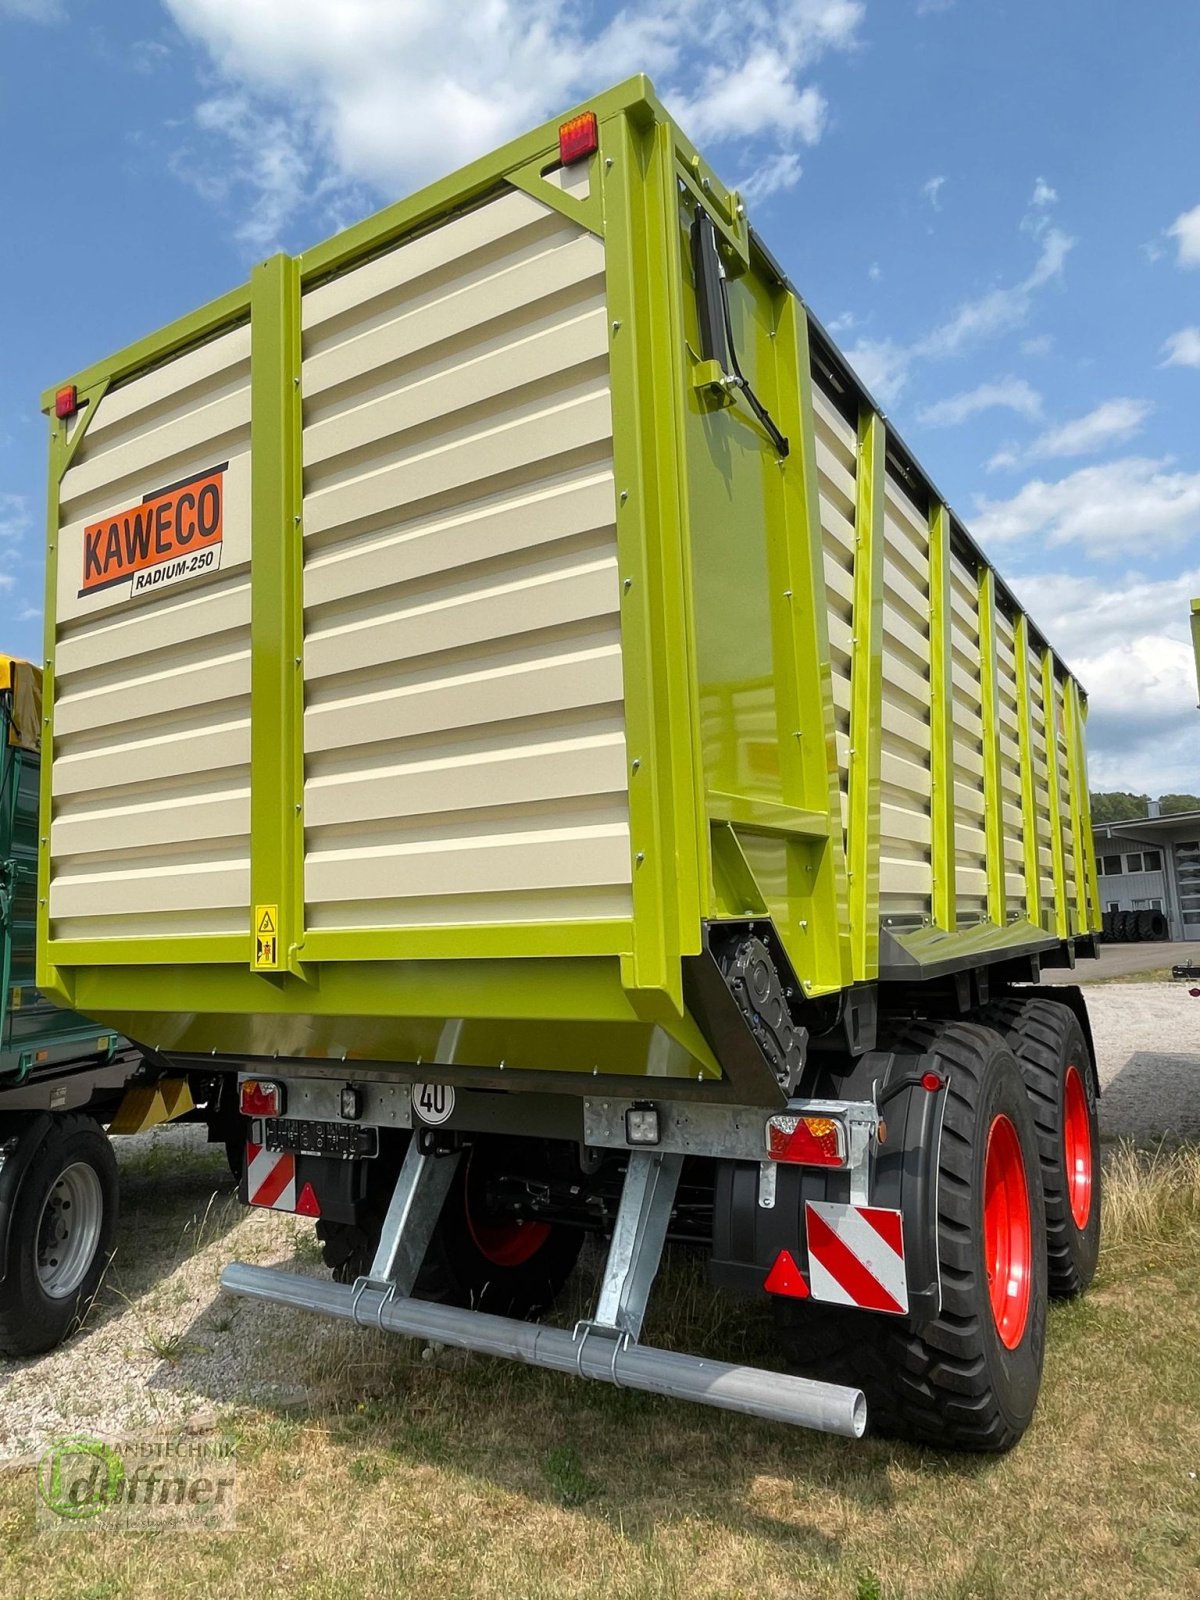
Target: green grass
481	1479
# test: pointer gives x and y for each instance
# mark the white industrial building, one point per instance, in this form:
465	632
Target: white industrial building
1152	863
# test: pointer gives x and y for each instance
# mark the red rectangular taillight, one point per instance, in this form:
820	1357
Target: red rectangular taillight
66	401
578	138
261	1098
807	1141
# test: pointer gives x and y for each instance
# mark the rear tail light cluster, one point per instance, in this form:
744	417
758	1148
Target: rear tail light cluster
578	138
261	1098
807	1141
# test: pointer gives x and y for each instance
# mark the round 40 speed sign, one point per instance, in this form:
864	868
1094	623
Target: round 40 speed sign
433	1102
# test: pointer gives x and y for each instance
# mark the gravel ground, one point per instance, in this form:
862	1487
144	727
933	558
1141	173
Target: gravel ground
164	1349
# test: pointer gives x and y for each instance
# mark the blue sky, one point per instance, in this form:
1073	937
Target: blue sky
994	207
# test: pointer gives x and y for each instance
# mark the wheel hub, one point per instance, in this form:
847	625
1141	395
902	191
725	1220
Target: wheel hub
69	1230
1077	1147
1007	1232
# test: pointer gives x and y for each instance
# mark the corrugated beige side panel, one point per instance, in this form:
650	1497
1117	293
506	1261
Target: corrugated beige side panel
151	784
464	727
905	878
837	470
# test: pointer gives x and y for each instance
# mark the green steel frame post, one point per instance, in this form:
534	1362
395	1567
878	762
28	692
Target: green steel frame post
993	795
1196	639
1062	921
809	764
64	443
644	275
941	724
1029	815
1077	791
277	607
866	681
1089	838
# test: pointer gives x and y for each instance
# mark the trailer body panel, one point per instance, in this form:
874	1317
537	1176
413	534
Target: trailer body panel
490	646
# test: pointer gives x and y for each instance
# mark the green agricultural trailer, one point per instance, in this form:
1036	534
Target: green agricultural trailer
63	1079
515	697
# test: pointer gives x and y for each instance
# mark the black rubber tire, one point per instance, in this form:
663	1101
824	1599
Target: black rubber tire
949	1382
31	1321
1046	1038
456	1271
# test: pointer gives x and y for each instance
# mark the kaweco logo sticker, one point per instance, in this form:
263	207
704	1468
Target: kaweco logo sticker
175	533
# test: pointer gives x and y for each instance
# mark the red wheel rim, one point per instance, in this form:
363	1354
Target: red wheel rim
1007	1232
1077	1148
504	1241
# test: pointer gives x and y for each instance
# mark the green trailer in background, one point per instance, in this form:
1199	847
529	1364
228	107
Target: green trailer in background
514	694
63	1078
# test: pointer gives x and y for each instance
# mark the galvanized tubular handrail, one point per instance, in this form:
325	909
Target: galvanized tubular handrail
778	1397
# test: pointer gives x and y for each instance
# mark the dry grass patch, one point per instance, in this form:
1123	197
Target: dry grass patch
466	1477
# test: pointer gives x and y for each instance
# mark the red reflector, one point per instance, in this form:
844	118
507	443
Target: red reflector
810	1141
785	1277
66	401
261	1099
932	1081
578	138
308	1205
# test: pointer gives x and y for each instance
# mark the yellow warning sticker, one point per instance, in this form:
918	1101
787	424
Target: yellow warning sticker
266	937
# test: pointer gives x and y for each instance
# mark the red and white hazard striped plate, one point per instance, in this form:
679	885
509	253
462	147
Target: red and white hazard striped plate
271	1178
856	1256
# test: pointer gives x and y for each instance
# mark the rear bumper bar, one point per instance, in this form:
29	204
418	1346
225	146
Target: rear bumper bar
584	1352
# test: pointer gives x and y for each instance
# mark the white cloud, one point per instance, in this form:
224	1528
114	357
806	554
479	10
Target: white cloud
999	310
1010	394
882	365
1182	349
33	10
1043	195
1040	345
1185	230
760	97
932	190
779	172
1111	422
1128	641
874	272
1105	510
393	95
15	517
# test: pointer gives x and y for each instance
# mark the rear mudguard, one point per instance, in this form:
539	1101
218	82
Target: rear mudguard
21	1137
747	1237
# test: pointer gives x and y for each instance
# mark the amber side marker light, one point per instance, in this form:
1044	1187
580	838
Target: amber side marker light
578	138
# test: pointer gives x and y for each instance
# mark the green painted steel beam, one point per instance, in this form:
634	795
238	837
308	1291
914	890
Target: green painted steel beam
667	838
753	815
866	696
1089	837
1196	639
66	439
1062	921
1029	812
1077	794
941	725
276	616
819	943
993	795
196	328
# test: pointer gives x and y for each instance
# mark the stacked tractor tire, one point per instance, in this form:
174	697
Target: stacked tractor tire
1131	927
